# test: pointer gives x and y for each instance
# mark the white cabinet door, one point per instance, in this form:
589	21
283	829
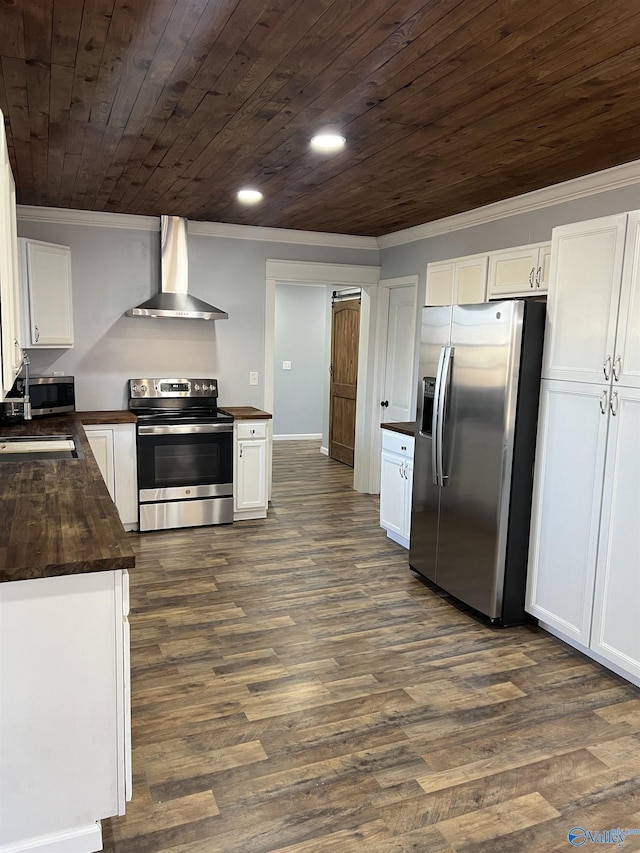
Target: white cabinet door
101	441
461	281
440	284
513	271
626	363
471	280
586	270
10	349
114	448
408	488
616	631
392	493
572	433
46	274
251	483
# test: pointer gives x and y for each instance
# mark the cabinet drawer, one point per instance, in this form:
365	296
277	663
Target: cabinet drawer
396	442
252	429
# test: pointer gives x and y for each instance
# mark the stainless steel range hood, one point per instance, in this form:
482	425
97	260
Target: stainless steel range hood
174	299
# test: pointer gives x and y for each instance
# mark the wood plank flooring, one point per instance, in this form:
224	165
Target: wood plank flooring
297	690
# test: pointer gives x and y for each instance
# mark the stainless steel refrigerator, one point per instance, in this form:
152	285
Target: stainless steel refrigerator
479	382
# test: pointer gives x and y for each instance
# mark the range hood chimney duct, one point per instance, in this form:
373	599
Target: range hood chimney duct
174	299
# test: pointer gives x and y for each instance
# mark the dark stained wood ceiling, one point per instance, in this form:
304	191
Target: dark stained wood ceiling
170	106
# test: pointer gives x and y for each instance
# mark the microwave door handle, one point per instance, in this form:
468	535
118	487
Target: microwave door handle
435	424
442	406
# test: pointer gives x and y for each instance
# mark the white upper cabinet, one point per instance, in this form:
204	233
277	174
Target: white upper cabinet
626	359
10	348
461	281
46	287
522	271
584	293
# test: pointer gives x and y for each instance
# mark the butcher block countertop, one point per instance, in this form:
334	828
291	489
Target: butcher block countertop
246	413
107	417
56	516
404	427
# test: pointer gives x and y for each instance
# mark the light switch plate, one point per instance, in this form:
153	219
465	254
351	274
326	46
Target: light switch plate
253	377
286	365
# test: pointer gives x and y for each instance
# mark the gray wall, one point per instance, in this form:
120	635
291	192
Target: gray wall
114	269
300	335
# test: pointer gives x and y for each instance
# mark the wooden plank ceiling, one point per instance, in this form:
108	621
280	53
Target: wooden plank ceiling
170	106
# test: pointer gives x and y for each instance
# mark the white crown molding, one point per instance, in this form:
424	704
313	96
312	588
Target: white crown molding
314	272
598	182
67	216
282	235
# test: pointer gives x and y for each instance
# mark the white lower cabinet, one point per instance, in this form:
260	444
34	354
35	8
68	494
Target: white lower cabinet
114	449
252	465
584	559
64	710
396	481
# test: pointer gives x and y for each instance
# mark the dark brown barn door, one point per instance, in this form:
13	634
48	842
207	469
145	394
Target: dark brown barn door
345	333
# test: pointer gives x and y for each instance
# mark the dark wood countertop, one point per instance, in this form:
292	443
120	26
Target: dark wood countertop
246	413
107	417
56	516
404	427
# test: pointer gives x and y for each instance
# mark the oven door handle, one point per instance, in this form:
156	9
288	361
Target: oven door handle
183	429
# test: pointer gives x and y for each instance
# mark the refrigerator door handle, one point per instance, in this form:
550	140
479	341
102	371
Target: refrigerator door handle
435	423
442	407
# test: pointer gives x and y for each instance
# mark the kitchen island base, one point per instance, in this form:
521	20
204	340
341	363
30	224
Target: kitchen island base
64	710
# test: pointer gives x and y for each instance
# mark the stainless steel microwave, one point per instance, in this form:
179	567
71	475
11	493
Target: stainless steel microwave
49	395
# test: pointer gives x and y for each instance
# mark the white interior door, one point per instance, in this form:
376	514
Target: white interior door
398	385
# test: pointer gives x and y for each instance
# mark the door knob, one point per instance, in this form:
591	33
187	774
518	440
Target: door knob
384	403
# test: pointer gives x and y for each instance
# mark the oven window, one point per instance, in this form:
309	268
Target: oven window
184	460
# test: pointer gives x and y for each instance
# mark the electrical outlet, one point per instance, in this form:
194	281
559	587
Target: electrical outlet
286	365
253	377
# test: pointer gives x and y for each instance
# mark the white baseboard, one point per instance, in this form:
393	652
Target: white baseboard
303	436
324	450
82	839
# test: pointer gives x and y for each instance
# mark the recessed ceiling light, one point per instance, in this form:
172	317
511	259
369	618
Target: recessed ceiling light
248	196
328	142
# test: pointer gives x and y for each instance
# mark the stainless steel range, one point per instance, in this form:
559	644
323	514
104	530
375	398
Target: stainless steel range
185	453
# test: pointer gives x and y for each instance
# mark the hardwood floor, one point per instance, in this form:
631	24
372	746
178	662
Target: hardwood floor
296	689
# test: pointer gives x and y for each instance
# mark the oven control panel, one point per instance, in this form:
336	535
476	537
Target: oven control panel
146	388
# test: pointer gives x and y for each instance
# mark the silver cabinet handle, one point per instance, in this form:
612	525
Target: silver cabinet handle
613	405
606	368
531	274
240	454
617	368
603	402
404	470
37	331
400	467
538	276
